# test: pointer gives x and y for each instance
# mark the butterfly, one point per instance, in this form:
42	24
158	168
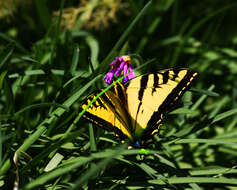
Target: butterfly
135	110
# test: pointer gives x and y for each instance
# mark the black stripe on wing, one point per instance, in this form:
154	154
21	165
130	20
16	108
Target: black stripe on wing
143	85
156	83
171	99
119	90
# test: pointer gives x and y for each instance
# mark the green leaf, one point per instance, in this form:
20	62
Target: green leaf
208	141
2	76
33	106
53	163
1	183
215	170
183	111
94	49
205	92
150	171
5	55
74	59
183	180
201	99
224	115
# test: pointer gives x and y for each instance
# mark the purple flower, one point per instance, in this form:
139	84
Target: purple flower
121	65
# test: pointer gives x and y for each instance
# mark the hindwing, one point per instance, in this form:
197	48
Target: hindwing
106	111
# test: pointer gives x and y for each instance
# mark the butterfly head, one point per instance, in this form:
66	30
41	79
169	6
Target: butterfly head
135	144
138	144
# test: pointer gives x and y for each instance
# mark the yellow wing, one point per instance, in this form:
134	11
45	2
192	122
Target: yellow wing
107	112
150	96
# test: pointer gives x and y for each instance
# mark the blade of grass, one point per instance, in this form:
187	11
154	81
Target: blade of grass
33	106
183	180
198	102
53	163
229	141
92	138
5	54
224	115
228	150
201	99
146	168
2	77
218	106
205	92
94	50
9	97
183	111
56	36
75	59
212	171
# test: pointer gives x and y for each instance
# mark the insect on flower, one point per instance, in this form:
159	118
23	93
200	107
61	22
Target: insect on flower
135	110
121	65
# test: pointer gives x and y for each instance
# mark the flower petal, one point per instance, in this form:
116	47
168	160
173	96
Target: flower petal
112	63
131	74
120	59
125	70
109	76
122	64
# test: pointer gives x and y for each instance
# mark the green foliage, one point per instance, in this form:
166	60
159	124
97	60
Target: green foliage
46	71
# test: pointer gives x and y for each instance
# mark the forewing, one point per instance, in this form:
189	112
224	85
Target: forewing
150	96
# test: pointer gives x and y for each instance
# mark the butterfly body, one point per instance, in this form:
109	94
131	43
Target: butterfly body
135	110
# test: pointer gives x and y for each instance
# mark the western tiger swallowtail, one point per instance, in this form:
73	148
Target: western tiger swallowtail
134	110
